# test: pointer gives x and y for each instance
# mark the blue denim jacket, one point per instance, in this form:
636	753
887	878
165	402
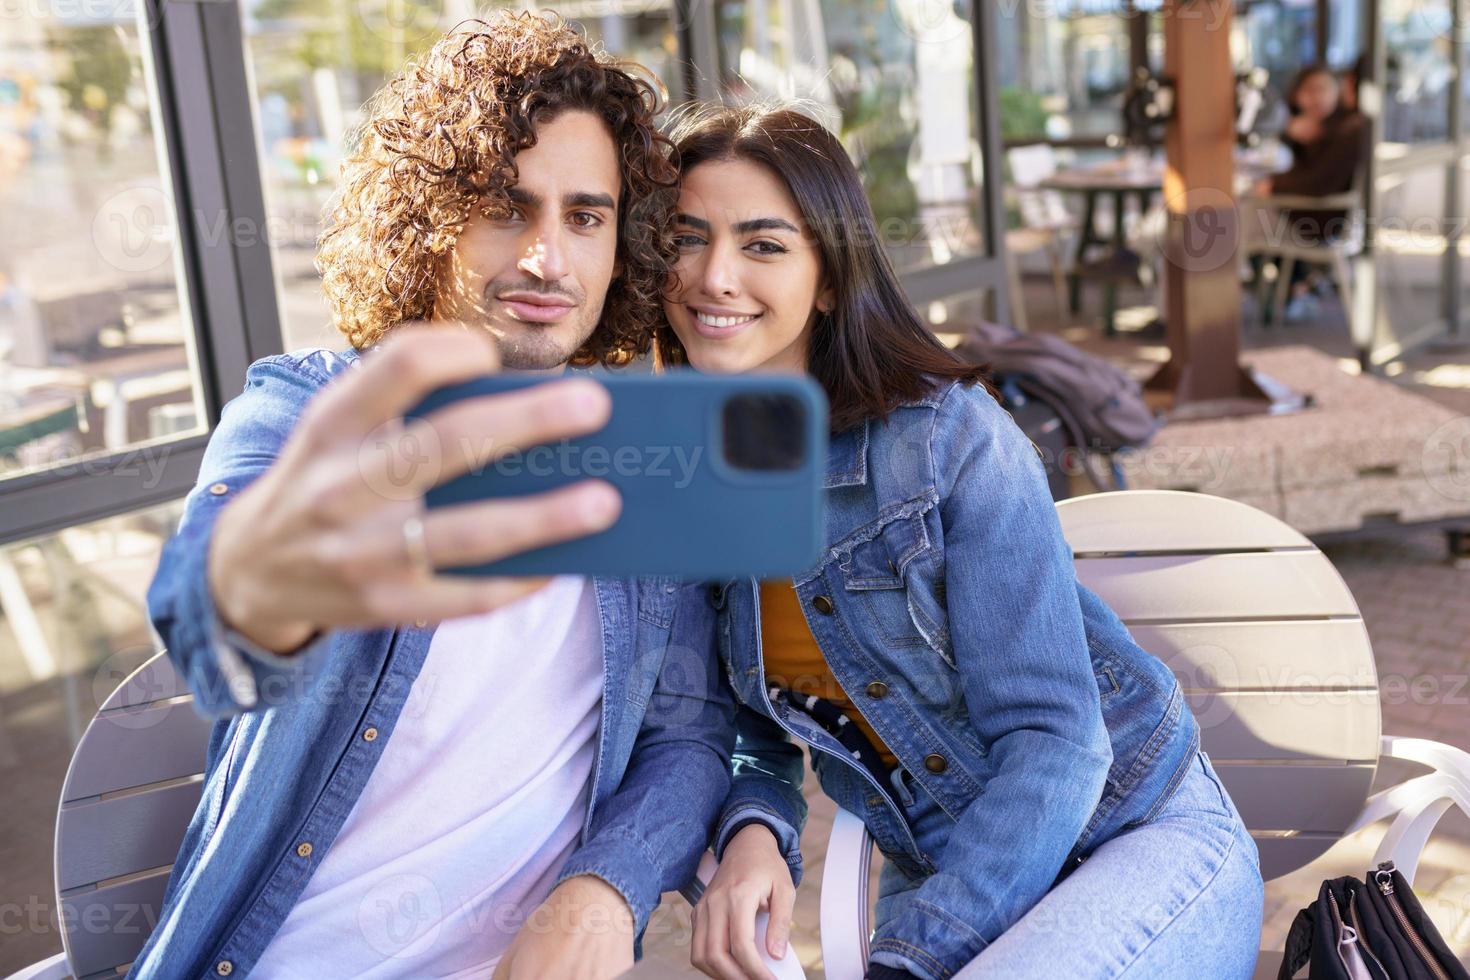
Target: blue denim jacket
1032	726
287	758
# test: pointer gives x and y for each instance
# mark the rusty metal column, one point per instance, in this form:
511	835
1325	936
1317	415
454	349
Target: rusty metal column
1201	279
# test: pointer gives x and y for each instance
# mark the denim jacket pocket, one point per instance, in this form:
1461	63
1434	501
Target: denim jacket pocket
874	569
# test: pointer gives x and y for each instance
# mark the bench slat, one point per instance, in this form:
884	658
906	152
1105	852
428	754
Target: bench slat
1170	520
1335	726
155	680
110	925
1283	855
1169	588
111	838
1311	798
137	746
1294	653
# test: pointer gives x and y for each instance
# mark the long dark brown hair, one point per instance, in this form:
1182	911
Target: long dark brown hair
872	353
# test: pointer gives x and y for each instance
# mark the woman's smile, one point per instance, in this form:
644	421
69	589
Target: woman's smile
718	323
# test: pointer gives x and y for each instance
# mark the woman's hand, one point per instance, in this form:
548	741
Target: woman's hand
1303	128
583	931
752	877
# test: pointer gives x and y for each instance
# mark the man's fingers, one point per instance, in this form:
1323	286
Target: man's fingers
413	360
473	434
742	940
778	931
474	534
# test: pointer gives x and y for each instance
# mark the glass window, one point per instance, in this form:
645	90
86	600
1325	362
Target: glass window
74	626
313	64
1409	249
1063	68
1418	74
895	80
96	338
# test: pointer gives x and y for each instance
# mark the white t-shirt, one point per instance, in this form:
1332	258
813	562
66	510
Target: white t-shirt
475	805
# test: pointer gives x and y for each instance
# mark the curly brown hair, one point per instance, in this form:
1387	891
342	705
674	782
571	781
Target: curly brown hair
441	138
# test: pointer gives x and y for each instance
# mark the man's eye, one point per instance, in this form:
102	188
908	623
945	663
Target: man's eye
507	212
586	219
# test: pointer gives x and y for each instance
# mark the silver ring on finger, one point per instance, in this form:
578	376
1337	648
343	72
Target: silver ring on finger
417	547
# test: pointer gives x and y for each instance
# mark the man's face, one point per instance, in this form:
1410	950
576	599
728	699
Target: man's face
536	276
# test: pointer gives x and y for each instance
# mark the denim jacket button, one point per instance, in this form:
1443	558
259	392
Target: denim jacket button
935	762
877	689
823	605
219	489
303	849
224	968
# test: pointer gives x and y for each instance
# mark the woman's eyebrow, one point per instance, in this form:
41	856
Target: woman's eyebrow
764	224
740	227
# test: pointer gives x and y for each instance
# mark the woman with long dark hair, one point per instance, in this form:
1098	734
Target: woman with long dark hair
1033	777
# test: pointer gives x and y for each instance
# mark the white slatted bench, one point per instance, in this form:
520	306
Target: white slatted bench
1254	620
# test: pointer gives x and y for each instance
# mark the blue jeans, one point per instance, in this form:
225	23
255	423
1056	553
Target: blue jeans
1178	897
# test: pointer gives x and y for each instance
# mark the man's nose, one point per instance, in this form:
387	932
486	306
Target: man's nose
544	256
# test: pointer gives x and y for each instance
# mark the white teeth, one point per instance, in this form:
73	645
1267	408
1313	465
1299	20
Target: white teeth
722	321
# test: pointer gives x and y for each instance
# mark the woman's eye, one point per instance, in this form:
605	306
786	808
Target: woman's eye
768	248
687	241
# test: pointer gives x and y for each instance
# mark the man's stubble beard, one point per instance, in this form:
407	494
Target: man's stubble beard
536	348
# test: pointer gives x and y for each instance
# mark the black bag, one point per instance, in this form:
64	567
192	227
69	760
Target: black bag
1368	930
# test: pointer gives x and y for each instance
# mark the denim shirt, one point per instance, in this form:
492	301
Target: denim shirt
296	738
1031	725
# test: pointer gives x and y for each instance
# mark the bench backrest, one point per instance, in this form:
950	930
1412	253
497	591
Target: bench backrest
133	784
1267	642
1254	620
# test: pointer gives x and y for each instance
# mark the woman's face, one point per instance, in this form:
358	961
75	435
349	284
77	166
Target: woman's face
749	275
1317	96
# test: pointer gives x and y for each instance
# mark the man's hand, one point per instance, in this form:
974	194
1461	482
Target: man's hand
318	541
583	931
752	877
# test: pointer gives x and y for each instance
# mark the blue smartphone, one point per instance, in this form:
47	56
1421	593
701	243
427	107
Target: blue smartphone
720	475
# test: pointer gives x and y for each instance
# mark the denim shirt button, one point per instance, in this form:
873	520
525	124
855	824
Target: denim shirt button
303	849
224	968
877	690
370	735
823	605
935	762
219	490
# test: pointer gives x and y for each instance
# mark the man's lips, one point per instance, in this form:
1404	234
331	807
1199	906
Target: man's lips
535	307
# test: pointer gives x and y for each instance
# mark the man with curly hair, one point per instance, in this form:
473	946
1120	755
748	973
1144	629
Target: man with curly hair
415	774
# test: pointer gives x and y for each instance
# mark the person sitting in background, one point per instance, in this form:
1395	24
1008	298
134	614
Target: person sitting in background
1325	137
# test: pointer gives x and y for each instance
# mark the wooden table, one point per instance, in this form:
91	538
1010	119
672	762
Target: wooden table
1118	179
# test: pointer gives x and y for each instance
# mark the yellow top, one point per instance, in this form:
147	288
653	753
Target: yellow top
793	659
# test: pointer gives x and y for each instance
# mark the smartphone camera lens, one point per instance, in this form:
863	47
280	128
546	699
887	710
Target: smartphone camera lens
764	432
